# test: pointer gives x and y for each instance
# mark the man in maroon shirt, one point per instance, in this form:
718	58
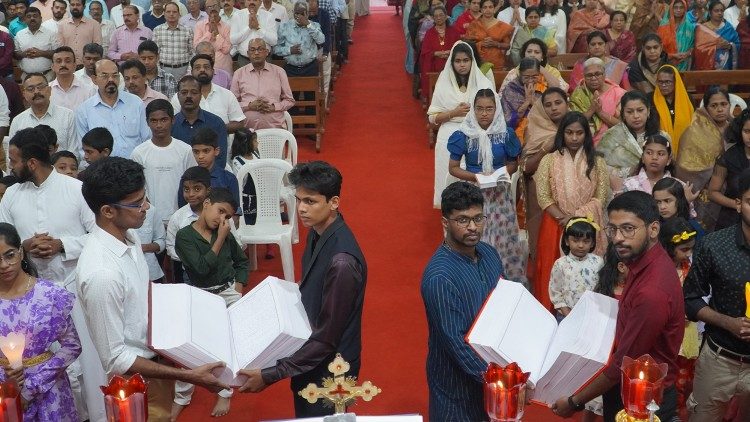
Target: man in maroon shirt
651	318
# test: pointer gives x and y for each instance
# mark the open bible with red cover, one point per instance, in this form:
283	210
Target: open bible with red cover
193	327
513	326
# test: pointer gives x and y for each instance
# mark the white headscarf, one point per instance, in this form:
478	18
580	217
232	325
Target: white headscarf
447	94
479	138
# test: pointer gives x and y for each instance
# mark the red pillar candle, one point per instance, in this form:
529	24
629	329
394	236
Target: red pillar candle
10	403
125	400
505	392
642	381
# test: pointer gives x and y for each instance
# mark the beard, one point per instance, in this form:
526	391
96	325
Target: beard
204	79
25	175
76	13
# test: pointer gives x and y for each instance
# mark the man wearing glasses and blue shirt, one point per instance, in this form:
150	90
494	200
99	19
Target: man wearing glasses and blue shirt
121	112
459	277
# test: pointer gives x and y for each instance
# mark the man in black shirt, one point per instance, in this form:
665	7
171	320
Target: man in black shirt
334	274
721	267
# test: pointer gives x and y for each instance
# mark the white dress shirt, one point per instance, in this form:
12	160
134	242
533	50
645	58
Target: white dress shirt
4	109
153	231
43	39
163	168
115	15
278	11
219	101
240	33
227	19
181	218
55	207
112	281
80	90
59	118
51	24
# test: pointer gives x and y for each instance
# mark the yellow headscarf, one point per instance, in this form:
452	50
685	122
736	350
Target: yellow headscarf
683	109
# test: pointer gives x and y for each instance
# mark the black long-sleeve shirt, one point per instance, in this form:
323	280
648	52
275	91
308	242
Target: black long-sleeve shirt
721	267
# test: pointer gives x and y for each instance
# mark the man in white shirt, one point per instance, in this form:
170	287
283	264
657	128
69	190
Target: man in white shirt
4	124
59	9
164	159
227	11
45	8
36	92
515	15
34	45
68	90
115	15
248	24
52	218
108	27
278	11
134	73
112	280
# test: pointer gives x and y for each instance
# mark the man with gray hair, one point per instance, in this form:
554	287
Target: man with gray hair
298	41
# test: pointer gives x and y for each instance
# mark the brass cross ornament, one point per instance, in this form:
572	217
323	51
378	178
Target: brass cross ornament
340	390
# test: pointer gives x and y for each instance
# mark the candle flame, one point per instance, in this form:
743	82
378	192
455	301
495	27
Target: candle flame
500	384
122	394
640	375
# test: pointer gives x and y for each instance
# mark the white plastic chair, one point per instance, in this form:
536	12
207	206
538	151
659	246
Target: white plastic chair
271	145
268	176
288	121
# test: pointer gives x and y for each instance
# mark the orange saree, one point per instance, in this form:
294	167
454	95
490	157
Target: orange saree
499	32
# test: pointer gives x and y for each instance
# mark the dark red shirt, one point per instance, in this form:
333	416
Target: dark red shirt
6	54
651	318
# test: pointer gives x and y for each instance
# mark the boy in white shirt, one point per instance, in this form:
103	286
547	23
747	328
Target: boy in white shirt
164	159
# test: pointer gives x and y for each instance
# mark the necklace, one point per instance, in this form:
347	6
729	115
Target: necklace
441	36
26	290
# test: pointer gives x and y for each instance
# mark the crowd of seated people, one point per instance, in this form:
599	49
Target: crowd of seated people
623	120
169	86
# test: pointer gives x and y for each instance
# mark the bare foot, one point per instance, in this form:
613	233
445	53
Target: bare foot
176	409
221	407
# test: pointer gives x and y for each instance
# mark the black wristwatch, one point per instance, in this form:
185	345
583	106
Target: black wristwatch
574	406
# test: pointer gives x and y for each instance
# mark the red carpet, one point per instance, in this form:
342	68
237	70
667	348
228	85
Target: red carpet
376	136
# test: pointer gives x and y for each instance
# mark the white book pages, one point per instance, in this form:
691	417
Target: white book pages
253	335
490	181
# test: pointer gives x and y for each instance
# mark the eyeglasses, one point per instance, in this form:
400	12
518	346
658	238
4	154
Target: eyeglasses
664	82
464	221
37	88
139	207
256	50
109	75
529	78
11	257
594	75
485	110
627	231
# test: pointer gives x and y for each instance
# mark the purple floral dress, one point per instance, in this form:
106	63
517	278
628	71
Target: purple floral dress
44	315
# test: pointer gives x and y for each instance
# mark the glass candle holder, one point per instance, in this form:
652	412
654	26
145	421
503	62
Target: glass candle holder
642	381
125	400
11	409
505	392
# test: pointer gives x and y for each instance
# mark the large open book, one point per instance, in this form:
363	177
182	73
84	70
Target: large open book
193	327
514	327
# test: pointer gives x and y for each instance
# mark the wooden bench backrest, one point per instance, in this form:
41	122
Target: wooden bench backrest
566	61
308	84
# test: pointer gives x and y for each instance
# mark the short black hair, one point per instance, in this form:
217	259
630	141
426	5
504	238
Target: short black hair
148	45
160	104
110	180
61	2
99	138
196	174
93	48
639	203
32	144
317	176
743	182
49	134
459	196
216	195
201	57
186	78
579	229
133	63
17	2
35	75
205	136
64	48
32	9
595	34
63	154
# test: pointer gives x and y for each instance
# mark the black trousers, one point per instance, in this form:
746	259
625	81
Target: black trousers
305	409
310	69
613	404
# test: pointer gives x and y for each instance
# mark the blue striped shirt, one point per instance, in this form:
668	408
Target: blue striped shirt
454	288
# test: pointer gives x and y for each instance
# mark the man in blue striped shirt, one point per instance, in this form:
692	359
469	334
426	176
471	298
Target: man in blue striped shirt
457	280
